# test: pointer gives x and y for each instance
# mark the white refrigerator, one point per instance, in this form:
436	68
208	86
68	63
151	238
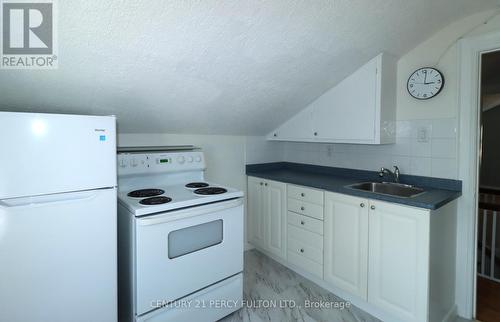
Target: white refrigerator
57	218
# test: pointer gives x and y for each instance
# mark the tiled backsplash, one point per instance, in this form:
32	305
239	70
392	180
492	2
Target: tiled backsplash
423	147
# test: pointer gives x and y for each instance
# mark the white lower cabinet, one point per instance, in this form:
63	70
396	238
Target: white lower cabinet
383	254
267	215
398	279
346	243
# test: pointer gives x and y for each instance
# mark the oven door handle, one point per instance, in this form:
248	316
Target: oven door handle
189	212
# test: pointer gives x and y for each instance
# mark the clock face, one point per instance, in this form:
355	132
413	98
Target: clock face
425	83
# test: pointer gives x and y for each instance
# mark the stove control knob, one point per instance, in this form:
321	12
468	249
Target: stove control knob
190	159
134	163
198	159
181	159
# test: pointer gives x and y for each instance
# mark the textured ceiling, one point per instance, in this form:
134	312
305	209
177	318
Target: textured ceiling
225	67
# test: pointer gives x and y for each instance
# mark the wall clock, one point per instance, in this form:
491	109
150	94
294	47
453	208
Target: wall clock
425	83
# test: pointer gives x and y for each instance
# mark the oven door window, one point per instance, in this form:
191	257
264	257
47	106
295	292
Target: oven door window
194	238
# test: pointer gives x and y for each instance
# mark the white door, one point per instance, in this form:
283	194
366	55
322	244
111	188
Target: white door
181	252
275	203
299	127
58	258
399	260
346	243
52	153
256	212
348	112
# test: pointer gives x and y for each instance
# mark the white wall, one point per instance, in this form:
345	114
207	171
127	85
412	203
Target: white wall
436	156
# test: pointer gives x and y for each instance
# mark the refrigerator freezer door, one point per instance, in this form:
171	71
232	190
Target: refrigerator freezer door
58	257
53	153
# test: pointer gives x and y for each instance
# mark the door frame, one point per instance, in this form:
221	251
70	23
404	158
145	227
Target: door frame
470	51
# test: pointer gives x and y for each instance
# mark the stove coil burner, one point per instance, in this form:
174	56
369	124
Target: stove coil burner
197	185
155	201
210	191
143	193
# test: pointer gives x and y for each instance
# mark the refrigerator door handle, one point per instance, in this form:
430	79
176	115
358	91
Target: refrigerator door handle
49	199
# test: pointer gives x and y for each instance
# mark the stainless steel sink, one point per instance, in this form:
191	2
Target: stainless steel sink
388	188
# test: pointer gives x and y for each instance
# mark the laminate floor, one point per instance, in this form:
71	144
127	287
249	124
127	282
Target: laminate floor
273	292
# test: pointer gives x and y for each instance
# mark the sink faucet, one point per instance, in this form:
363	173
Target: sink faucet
395	174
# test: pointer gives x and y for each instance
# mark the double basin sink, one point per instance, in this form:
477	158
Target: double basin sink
388	188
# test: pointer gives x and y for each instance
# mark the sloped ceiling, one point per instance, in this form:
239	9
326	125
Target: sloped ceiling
224	67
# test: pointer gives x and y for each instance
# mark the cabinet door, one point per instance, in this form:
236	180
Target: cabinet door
256	212
346	243
275	203
299	128
348	112
399	260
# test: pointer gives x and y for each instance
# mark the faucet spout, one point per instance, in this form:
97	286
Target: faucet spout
395	174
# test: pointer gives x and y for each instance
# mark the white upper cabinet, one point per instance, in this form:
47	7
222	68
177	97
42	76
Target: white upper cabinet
298	128
360	109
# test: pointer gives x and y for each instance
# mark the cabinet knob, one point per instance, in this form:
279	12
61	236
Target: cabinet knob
265	184
302	194
315	133
372	207
302	222
261	183
362	205
275	135
302	208
302	250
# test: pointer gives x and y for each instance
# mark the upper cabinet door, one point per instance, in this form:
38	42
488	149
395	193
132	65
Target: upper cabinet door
348	112
298	128
360	109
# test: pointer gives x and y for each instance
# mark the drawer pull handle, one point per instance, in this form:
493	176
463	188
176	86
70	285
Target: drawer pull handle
302	208
302	194
372	207
302	250
362	205
302	222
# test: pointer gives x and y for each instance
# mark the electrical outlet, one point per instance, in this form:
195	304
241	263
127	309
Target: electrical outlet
423	134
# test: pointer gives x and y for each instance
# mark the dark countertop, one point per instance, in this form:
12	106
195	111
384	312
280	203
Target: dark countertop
438	192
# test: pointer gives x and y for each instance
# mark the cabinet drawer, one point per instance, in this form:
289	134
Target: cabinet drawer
305	208
302	249
305	194
305	237
304	222
305	263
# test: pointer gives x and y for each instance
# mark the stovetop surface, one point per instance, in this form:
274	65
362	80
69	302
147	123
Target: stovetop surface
181	196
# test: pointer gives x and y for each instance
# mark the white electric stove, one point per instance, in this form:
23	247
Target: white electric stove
180	239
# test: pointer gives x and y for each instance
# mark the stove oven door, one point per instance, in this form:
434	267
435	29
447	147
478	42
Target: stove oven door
181	252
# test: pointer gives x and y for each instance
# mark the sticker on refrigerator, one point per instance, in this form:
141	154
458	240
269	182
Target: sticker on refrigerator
102	137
